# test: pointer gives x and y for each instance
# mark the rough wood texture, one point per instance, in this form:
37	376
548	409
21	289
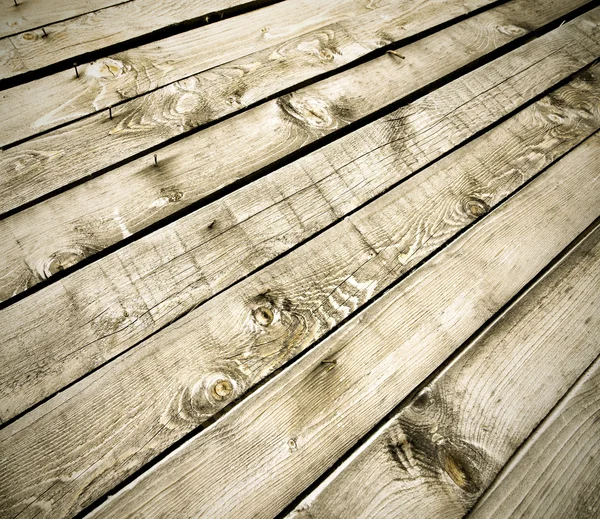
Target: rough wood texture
63	331
227	88
68	228
38	167
443	448
74	38
62	97
29	14
144	401
556	473
298	424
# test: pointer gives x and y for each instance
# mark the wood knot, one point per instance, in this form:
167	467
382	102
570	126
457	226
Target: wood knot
30	36
422	401
171	194
293	444
263	315
309	110
460	463
510	30
475	207
222	389
62	260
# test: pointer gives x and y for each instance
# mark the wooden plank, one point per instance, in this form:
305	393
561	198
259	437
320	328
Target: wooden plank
134	292
443	448
139	404
72	39
557	471
68	228
62	97
42	165
27	15
260	455
237	84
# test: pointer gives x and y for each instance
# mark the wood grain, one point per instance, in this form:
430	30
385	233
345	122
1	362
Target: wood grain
73	38
227	88
74	225
28	15
260	455
62	97
444	447
160	390
61	330
556	472
286	124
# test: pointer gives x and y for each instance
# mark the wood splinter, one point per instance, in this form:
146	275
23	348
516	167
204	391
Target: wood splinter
395	53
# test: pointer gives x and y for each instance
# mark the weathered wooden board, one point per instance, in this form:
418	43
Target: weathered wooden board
444	448
150	397
227	88
42	165
29	14
69	327
49	237
261	454
63	97
73	38
556	473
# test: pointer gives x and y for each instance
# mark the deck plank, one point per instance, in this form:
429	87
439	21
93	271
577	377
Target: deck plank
70	227
38	167
556	473
260	455
153	395
444	447
62	97
28	15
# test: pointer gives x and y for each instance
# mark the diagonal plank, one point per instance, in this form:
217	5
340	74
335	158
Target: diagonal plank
66	329
231	86
27	15
257	458
556	473
62	97
49	237
39	167
443	448
147	399
120	24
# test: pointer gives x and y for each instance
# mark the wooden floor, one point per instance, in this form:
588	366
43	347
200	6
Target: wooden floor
302	259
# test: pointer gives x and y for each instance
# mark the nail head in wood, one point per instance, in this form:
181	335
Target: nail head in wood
45	33
155	160
76	71
396	54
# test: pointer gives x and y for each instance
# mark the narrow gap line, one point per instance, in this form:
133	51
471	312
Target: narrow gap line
143	39
188	436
